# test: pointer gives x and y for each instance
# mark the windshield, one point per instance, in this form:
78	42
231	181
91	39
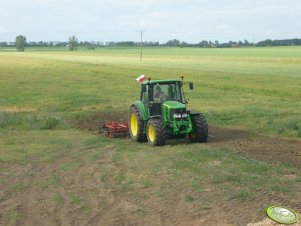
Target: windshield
164	92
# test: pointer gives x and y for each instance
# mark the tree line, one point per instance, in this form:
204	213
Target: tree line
284	42
231	44
73	43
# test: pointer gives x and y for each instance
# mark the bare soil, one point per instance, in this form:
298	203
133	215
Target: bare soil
27	198
271	149
95	121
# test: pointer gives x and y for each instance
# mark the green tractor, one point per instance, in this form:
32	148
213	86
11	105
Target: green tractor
161	113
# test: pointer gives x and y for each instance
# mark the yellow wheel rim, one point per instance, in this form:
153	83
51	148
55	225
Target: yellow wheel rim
151	133
134	124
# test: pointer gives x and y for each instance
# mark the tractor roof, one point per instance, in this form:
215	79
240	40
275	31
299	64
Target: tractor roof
161	81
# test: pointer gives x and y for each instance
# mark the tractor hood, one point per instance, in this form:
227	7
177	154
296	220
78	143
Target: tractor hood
173	104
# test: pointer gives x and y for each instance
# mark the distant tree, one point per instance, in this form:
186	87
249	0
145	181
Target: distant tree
203	43
50	44
184	44
174	42
73	43
231	43
20	43
267	42
41	44
3	44
296	41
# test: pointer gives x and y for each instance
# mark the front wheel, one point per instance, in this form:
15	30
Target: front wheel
199	129
155	132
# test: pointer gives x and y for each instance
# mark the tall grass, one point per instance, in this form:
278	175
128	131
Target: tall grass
31	121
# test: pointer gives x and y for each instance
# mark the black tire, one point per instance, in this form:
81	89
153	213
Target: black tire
200	129
159	136
136	134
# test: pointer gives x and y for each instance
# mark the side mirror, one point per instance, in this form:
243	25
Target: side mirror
144	89
191	85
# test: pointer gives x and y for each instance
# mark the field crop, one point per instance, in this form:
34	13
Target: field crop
56	169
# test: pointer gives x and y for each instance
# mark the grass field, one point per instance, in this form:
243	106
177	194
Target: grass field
56	173
253	88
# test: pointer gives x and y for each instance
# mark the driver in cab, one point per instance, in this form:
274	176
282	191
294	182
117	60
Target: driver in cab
160	94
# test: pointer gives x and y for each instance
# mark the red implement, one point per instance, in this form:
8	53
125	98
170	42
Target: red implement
114	128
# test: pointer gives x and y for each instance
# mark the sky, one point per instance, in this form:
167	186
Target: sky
161	20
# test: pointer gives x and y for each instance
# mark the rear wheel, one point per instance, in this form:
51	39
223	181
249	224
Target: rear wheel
136	125
156	132
199	129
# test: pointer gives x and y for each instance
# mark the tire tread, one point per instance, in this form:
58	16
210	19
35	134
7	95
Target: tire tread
141	136
201	127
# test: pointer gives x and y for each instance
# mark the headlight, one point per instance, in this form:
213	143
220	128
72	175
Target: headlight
180	116
177	115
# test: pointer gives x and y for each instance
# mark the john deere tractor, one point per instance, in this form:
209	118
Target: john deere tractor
161	113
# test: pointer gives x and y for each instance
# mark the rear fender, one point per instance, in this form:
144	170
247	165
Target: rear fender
142	112
141	108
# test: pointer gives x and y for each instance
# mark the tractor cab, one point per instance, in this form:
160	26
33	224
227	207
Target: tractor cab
156	93
161	112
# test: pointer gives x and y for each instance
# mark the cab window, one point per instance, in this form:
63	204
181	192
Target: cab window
144	96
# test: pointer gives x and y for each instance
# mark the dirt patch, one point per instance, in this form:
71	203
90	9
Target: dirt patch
93	122
271	149
269	222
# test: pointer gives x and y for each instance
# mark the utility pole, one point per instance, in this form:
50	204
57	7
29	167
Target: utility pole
141	43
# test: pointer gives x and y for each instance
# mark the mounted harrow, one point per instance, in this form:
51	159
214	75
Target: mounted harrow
114	129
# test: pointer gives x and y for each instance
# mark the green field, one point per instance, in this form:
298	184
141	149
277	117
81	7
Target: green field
253	88
45	95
